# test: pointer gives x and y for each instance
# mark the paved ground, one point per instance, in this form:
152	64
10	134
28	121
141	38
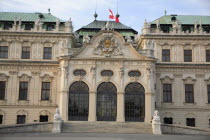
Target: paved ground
97	136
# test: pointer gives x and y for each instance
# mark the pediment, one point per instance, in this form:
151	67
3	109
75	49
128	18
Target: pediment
108	44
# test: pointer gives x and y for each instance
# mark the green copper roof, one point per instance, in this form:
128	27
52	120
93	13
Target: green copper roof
185	19
97	24
28	17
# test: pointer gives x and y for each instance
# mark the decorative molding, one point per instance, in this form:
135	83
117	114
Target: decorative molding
200	75
24	77
13	72
167	114
189	80
190	115
44	113
22	112
177	75
35	73
47	78
3	77
166	79
106	78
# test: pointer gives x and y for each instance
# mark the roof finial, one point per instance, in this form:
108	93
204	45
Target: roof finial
165	12
95	15
49	11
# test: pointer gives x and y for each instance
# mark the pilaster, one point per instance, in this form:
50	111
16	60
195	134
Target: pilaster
120	107
92	106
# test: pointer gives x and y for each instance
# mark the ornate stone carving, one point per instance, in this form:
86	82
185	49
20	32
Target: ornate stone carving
47	78
156	123
86	39
13	72
93	71
177	75
24	77
189	80
166	79
190	115
147	24
200	75
44	113
35	73
65	71
3	77
57	115
22	112
121	72
106	78
128	39
107	46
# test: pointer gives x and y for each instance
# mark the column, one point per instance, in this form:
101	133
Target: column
149	106
92	106
64	105
120	107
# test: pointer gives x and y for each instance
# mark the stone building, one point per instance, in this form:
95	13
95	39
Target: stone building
104	71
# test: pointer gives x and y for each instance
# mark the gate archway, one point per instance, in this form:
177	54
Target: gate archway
134	102
106	102
78	102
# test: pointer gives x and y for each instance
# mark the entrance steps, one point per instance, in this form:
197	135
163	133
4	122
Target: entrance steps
107	127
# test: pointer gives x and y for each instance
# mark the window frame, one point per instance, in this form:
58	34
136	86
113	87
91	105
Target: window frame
28	26
1	118
167	94
4	52
1	89
28	53
188	123
41	120
208	94
50	27
164	120
208	56
23	93
189	93
165	56
46	53
43	92
188	57
7	24
21	120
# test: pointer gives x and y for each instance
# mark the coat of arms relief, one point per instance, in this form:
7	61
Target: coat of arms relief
107	46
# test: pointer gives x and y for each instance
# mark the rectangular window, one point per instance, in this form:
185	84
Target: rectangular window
26	52
23	90
43	118
45	90
190	122
208	89
167	93
21	119
207	55
47	53
189	95
50	27
28	26
166	55
187	55
1	119
168	120
209	123
3	52
2	90
7	26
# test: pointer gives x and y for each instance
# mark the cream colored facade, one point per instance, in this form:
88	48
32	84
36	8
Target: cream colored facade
144	55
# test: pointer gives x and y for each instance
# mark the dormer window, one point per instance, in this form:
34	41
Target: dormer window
50	27
7	26
28	26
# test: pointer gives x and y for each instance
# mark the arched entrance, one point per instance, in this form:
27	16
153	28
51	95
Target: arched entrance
106	102
78	102
134	102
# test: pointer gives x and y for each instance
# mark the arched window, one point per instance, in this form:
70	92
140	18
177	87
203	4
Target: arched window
134	102
78	101
79	72
107	73
134	73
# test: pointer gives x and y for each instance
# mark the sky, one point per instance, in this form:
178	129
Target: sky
132	12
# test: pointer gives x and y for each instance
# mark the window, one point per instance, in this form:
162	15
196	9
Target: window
165	29
168	120
209	123
187	55
3	52
25	52
186	29
45	90
190	122
189	95
7	26
47	53
50	27
1	119
208	89
23	90
107	73
167	94
43	118
28	26
2	90
134	73
166	55
207	55
79	72
21	119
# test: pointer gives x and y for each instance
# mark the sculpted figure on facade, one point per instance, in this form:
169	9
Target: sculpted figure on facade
195	24
57	115
147	24
158	23
136	38
156	116
176	24
108	26
128	39
15	21
20	22
86	39
69	26
57	22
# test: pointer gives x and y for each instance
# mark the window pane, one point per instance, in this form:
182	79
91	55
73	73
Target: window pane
2	90
1	119
166	55
189	95
23	90
21	119
3	52
168	120
190	122
208	89
45	91
187	55
47	53
43	118
25	52
167	93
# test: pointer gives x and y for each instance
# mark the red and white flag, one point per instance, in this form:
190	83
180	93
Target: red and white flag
111	15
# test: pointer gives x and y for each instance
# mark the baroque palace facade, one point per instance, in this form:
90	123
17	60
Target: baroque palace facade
104	71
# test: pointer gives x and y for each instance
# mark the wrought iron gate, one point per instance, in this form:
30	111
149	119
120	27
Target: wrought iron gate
78	102
106	102
134	102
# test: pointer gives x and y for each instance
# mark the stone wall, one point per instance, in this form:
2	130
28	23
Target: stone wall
25	128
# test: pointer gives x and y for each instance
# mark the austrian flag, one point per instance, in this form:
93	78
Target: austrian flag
111	16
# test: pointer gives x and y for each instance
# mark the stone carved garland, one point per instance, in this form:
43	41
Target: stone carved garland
24	77
47	78
3	77
107	46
